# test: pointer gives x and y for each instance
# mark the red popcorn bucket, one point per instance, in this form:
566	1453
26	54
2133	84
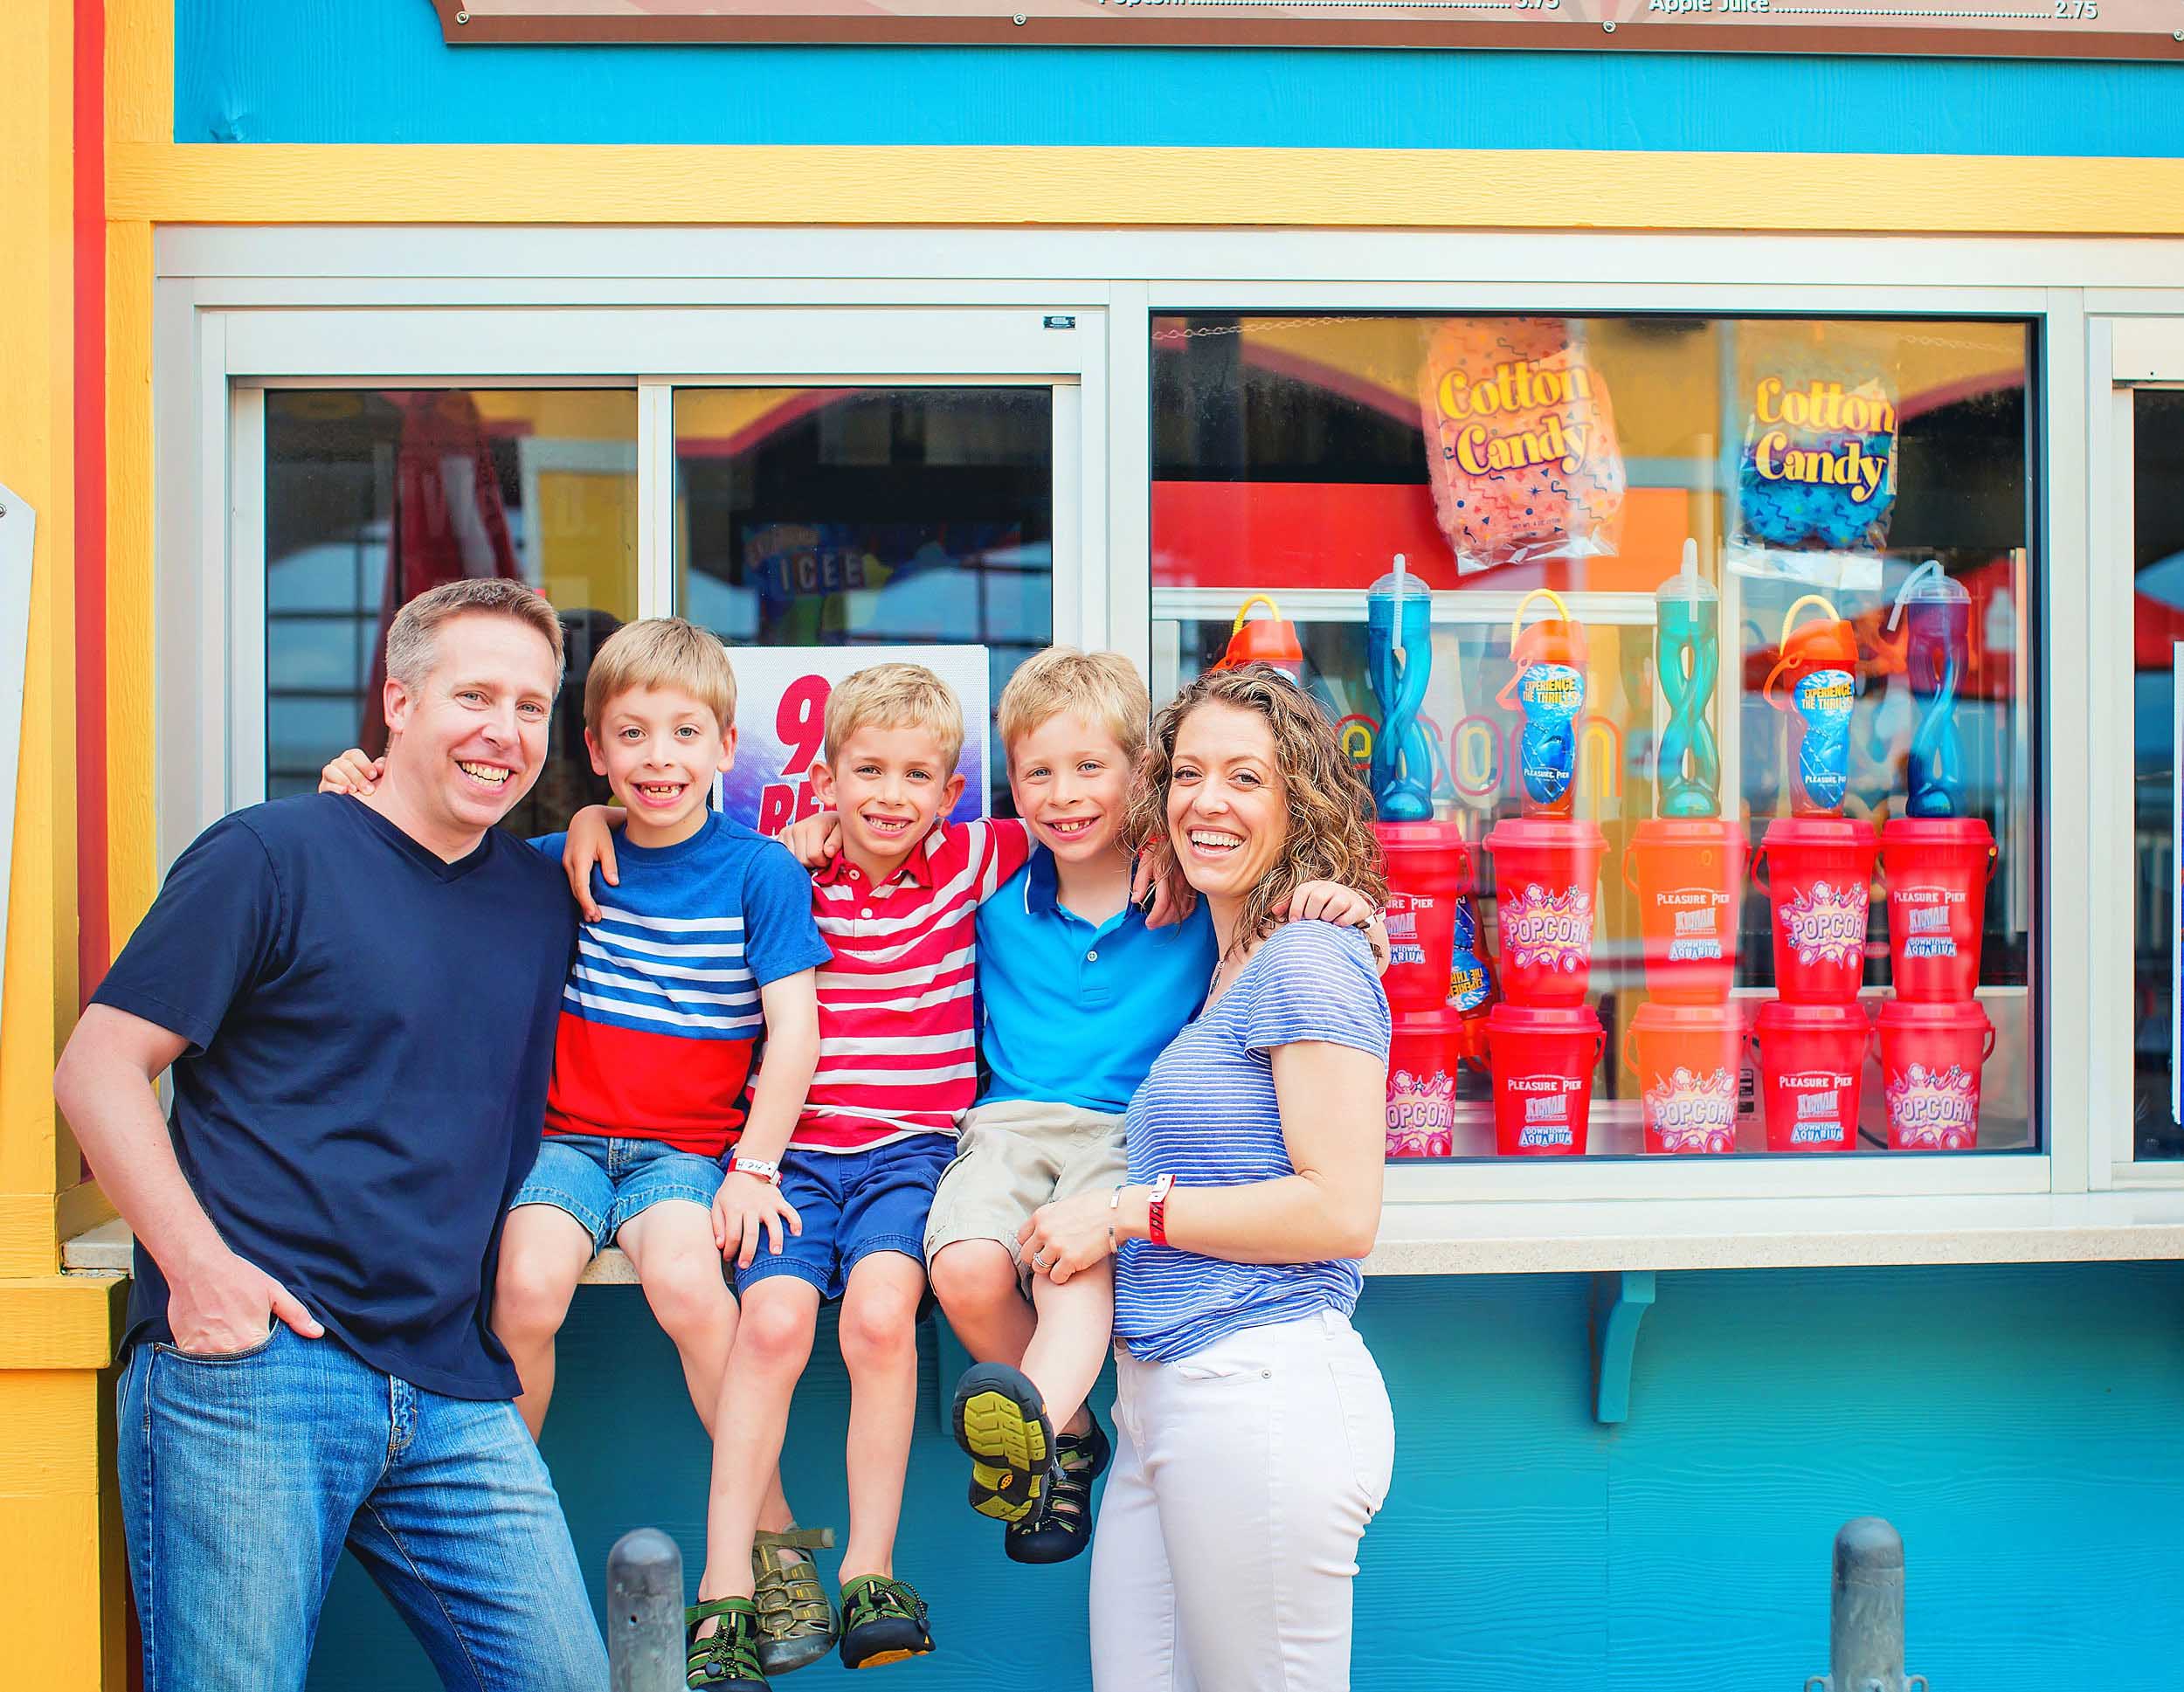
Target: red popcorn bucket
1686	874
1937	869
1812	1064
1546	877
1931	1057
1429	869
1687	1058
1424	1054
1820	882
1543	1057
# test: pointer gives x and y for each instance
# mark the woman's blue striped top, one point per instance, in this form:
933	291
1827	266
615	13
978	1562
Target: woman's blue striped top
1207	1114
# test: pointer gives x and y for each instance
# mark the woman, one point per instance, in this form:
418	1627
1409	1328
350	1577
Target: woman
1256	1437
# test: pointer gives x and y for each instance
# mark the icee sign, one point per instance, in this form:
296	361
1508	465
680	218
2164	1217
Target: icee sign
781	696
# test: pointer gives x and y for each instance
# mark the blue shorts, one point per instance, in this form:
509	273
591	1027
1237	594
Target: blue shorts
853	1204
603	1181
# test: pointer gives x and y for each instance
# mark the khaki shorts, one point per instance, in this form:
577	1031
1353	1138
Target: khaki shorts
1014	1156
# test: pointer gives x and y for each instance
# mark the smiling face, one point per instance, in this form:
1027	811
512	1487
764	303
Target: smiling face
890	786
466	744
1228	816
1071	779
659	749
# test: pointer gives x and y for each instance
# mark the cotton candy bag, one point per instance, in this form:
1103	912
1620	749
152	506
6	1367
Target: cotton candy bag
1816	482
1520	448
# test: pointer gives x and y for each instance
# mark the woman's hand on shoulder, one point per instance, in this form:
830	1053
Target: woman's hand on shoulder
352	773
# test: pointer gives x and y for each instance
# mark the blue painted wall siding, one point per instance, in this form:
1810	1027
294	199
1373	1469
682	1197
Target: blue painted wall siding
377	71
2018	1425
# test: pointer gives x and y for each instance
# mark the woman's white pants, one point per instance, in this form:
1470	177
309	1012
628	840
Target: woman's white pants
1227	1542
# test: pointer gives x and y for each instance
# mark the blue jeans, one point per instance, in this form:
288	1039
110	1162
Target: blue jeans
243	1476
604	1181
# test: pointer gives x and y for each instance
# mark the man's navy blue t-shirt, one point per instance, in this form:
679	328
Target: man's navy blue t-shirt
370	1029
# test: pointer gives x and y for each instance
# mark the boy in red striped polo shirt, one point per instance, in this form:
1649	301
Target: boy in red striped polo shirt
897	1067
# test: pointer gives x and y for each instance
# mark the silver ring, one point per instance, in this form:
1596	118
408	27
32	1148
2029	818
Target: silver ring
1039	1260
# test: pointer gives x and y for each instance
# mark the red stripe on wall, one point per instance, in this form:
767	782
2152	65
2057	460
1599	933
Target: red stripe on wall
89	120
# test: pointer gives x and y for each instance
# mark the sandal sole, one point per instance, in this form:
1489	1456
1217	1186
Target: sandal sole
882	1659
1004	1437
789	1655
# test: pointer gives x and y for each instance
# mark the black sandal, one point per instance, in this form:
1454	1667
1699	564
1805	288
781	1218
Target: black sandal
883	1621
1062	1527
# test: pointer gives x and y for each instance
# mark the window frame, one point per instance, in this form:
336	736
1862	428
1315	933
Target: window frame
232	304
2134	341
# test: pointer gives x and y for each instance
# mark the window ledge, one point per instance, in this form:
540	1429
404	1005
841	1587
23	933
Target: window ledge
1504	1238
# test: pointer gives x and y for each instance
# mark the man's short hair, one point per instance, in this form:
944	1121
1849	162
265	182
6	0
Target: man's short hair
660	652
411	648
1103	688
895	696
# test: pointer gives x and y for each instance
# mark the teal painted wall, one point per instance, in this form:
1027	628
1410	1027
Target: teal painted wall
2020	1426
377	71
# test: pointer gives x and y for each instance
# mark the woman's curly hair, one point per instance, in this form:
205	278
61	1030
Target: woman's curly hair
1331	836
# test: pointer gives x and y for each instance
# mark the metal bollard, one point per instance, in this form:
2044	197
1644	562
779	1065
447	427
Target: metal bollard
1865	1618
644	1612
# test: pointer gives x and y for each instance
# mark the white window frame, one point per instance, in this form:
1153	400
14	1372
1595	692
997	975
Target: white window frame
239	307
2134	339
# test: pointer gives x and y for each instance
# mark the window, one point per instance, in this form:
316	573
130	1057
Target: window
1612	612
869	516
373	496
2157	543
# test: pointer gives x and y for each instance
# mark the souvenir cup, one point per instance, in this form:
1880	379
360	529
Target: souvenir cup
1687	875
1429	872
1543	1057
1687	1058
1931	1057
1548	687
1424	1054
1937	869
1812	1065
1546	879
1819	881
1815	680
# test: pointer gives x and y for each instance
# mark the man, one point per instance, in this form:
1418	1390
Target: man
358	998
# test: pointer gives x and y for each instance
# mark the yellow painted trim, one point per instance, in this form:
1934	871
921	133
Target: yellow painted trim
131	831
80	1209
63	1569
61	1322
38	977
1149	186
140	71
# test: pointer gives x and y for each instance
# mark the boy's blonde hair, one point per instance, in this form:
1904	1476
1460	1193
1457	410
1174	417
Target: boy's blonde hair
895	696
1103	688
660	652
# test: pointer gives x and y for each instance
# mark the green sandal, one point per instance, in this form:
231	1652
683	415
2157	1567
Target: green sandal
883	1621
727	1660
796	1621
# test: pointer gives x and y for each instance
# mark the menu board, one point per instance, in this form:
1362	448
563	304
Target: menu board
2038	28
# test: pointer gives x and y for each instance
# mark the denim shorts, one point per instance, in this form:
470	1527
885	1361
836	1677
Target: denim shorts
853	1204
605	1180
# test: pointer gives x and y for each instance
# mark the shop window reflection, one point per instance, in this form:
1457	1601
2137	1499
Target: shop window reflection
1296	455
372	496
809	517
2158	553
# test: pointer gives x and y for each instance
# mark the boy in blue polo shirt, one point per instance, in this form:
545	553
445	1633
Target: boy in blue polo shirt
1079	996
